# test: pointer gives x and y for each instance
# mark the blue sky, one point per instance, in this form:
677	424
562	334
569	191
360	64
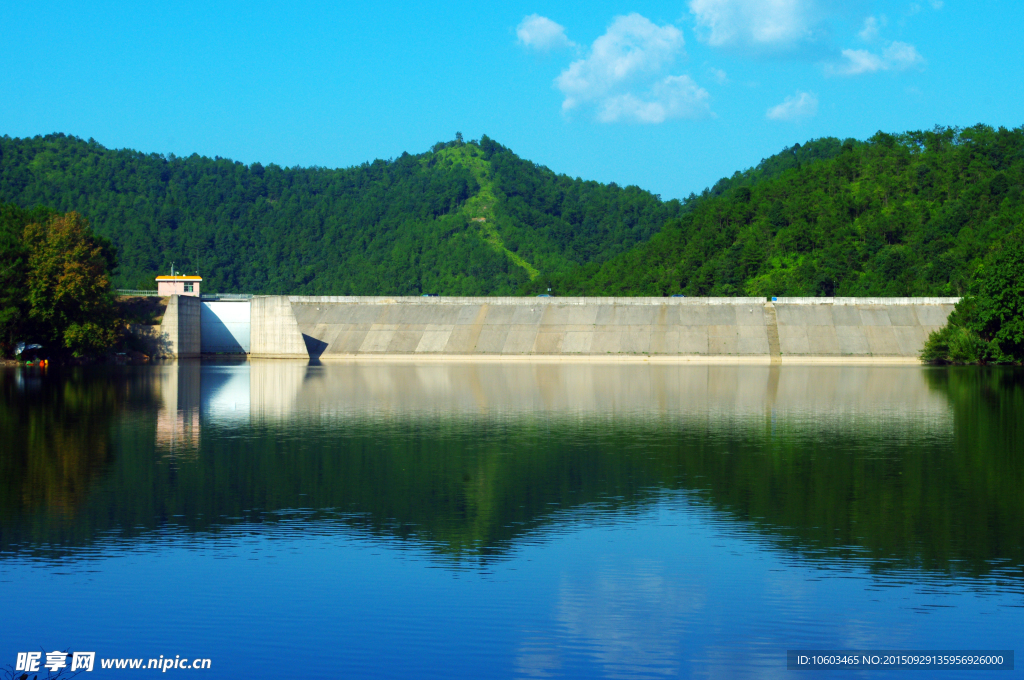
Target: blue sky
669	96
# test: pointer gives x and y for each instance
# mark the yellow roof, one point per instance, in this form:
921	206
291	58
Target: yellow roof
179	278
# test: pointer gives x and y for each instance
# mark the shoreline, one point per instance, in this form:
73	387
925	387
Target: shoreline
757	360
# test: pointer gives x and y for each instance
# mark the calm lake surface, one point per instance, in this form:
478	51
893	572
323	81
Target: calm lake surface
510	520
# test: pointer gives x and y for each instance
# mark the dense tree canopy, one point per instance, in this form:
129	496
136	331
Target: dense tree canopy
67	286
12	271
909	214
465	218
988	324
55	274
14	255
913	214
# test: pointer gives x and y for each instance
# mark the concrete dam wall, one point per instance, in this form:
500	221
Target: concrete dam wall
694	328
179	334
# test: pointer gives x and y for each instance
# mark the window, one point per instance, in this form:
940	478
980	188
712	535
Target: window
188	286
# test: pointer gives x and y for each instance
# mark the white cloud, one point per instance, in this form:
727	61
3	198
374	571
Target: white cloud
871	28
541	33
632	51
857	62
757	24
900	56
897	56
916	7
636	622
673	97
720	76
801	105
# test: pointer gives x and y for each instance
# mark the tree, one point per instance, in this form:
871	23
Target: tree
69	296
989	325
12	274
13	270
1000	303
956	342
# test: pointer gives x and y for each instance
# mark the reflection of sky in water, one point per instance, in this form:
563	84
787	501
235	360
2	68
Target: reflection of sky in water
194	395
225	393
673	591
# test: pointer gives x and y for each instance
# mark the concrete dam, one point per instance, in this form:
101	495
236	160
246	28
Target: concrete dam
744	329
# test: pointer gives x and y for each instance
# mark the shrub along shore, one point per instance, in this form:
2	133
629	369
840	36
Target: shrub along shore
987	326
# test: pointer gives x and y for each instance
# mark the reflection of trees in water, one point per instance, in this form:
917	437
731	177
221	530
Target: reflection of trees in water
988	403
896	497
56	437
893	490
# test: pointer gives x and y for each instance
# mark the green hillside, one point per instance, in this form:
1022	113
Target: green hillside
909	214
463	219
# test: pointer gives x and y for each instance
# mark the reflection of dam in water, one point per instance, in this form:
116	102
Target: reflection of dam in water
888	403
470	457
177	421
878	396
190	392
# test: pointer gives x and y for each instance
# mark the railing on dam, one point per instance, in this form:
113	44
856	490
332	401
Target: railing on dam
226	296
132	292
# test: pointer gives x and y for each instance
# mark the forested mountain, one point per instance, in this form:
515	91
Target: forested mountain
796	156
463	219
909	214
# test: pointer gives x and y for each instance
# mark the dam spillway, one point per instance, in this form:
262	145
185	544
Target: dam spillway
335	327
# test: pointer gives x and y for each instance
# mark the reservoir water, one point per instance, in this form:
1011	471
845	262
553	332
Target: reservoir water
510	520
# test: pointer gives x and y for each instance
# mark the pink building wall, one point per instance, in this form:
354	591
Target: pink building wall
178	285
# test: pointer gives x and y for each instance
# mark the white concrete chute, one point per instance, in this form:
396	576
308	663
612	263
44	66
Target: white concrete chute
225	326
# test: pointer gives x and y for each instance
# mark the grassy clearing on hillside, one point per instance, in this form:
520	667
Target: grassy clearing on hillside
479	209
